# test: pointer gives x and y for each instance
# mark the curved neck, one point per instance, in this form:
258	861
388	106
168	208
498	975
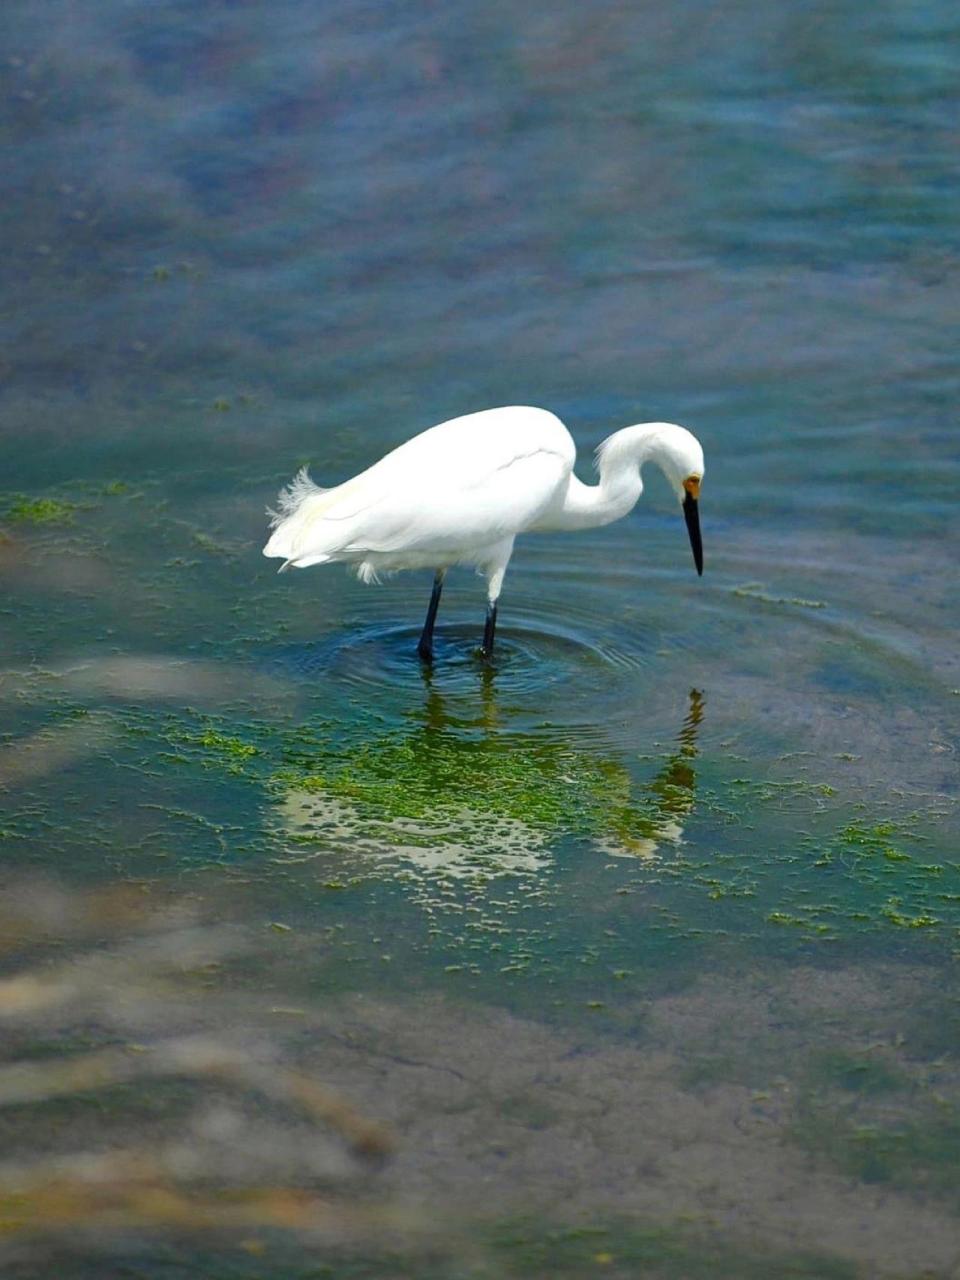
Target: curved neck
619	460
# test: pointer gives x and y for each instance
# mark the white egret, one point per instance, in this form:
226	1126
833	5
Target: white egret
460	492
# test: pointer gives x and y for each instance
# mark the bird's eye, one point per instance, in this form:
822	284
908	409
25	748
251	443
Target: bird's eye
692	486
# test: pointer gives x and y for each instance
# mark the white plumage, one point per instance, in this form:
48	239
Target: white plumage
460	492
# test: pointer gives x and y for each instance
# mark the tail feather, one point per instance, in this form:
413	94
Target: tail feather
301	535
292	497
303	562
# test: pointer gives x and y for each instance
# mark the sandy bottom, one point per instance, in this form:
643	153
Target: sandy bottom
176	1080
497	1114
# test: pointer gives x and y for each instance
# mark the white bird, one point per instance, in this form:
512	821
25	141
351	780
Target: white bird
460	492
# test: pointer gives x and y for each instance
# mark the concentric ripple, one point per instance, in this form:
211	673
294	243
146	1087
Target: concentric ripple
529	656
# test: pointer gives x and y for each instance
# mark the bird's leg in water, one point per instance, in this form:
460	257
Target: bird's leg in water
495	572
489	627
425	647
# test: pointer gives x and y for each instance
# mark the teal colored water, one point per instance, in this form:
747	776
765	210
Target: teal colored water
699	834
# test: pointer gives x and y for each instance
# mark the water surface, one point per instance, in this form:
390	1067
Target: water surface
642	945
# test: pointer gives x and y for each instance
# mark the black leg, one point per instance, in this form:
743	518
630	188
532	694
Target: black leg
425	647
489	627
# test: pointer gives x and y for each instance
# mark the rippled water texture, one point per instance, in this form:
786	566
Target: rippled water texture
634	952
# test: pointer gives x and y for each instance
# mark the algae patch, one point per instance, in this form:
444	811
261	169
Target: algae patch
24	510
754	591
51	509
440	810
208	746
480	795
498	835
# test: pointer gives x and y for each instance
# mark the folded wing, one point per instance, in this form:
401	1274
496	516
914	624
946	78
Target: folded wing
468	482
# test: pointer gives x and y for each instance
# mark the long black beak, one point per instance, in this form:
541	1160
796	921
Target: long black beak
691	513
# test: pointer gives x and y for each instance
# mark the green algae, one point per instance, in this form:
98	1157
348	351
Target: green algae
438	812
206	744
546	785
876	875
223	746
60	509
415	804
24	510
754	591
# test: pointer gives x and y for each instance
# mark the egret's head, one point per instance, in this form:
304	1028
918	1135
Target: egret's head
681	457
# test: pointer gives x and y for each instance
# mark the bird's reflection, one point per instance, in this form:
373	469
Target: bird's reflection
437	709
456	794
665	802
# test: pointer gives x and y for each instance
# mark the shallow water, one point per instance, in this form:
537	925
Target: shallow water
649	931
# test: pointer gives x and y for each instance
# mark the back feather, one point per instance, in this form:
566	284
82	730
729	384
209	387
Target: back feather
291	498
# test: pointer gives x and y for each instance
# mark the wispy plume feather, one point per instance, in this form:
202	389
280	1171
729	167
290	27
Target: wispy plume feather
292	497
